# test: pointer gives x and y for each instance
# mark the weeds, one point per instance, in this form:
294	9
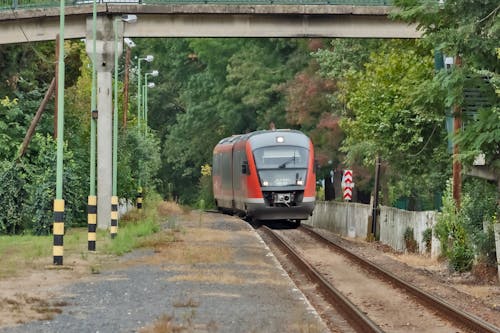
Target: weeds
427	239
164	324
189	303
410	242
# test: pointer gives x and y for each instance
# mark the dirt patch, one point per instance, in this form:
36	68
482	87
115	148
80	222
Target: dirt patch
36	295
22	306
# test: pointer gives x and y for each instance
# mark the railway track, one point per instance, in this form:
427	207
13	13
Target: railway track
435	315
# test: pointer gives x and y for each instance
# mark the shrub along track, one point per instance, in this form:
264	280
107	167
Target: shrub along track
391	303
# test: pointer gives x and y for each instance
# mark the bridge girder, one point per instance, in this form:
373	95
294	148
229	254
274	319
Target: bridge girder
30	25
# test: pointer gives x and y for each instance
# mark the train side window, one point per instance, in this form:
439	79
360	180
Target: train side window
244	168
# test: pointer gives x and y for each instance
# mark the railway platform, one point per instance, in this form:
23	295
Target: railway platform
217	276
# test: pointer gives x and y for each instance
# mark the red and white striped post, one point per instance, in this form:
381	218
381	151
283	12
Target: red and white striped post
347	185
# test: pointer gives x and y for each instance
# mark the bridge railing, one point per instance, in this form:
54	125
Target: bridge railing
26	4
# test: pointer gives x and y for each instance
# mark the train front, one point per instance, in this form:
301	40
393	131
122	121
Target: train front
286	180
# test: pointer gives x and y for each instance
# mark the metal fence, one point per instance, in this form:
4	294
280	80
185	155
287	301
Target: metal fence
26	4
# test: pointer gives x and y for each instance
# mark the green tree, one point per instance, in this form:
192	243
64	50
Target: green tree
233	86
12	193
393	114
470	30
40	185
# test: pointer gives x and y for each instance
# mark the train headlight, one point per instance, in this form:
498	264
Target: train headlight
280	139
300	182
265	183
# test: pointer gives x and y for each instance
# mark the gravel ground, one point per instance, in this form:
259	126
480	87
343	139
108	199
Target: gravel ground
242	289
477	296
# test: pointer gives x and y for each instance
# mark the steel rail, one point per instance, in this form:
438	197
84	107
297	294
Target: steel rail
446	310
354	316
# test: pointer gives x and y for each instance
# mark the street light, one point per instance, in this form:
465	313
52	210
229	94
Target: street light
114	198
149	85
153	73
148	58
130	43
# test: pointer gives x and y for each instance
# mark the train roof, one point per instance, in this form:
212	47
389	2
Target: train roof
238	137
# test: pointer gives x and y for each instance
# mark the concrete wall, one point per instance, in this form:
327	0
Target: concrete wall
496	230
124	206
346	219
394	222
352	220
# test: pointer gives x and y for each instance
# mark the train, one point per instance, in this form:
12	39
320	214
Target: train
265	175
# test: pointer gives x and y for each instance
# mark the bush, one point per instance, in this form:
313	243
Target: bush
41	184
410	242
479	211
12	194
451	232
461	257
28	191
138	161
461	231
205	189
427	239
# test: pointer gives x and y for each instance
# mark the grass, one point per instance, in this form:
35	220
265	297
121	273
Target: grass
132	236
21	251
136	229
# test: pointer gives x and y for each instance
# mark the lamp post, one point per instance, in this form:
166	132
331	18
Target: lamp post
148	58
130	43
114	197
154	73
149	85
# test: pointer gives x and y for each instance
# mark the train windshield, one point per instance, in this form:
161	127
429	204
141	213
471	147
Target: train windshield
281	165
281	157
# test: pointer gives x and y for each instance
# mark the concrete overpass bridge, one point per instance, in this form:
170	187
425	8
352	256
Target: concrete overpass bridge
38	20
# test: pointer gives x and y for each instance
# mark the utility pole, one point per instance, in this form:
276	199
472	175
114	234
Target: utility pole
457	167
57	90
36	118
375	197
92	198
125	87
58	225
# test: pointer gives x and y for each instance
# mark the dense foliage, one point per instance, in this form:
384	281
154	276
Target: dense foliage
469	30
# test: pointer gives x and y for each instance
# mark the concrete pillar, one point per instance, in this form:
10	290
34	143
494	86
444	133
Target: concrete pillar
105	53
104	144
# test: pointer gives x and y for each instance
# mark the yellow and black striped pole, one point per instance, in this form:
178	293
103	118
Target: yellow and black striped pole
114	216
92	221
58	248
58	228
139	198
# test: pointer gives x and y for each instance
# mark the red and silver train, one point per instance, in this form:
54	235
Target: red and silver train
265	175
